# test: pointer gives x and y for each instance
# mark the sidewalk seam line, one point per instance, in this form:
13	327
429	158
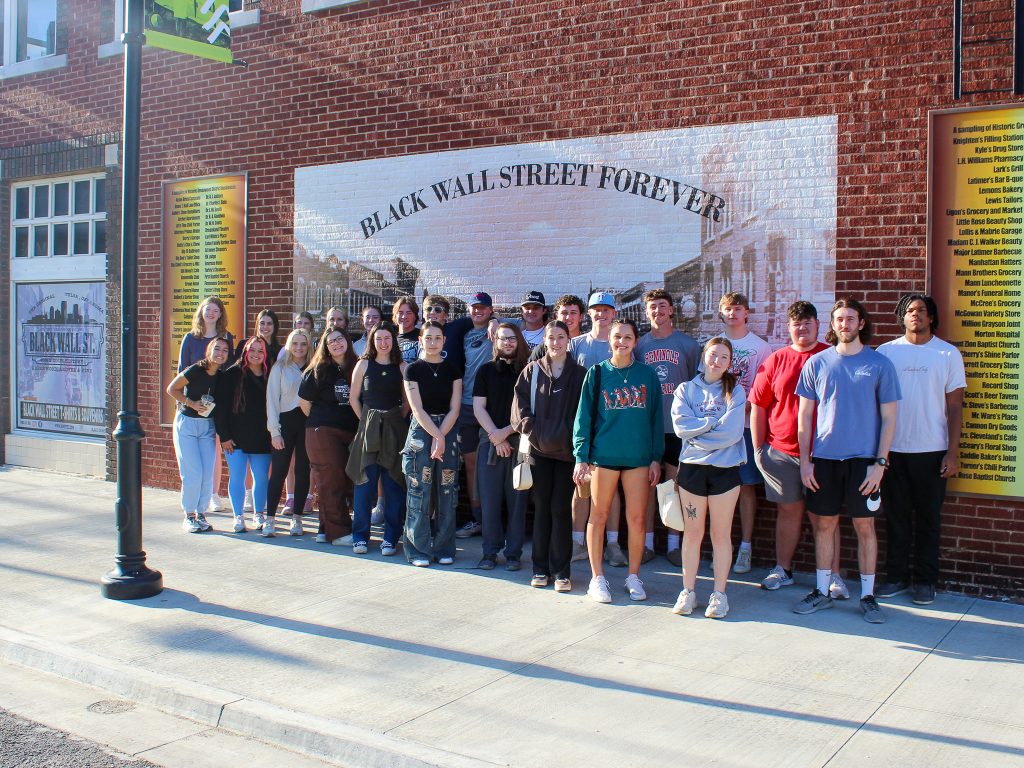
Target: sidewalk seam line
900	684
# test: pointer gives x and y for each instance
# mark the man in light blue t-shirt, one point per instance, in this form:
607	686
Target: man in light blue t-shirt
855	390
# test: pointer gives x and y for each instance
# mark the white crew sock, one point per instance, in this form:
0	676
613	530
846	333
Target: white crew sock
867	584
612	537
822	579
579	537
673	541
649	540
745	545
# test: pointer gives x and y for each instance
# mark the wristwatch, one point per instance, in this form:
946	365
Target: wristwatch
882	462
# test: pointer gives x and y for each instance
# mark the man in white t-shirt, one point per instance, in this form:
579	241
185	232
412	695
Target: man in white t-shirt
925	450
748	352
533	308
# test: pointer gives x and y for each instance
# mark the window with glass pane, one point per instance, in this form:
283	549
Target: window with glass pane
21	242
41	245
99	240
82	201
99	195
61	199
21	199
81	238
60	239
36	29
41	209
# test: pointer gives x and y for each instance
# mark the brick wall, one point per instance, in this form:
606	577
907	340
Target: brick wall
391	77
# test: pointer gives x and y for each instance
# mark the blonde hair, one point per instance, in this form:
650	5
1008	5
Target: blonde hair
291	337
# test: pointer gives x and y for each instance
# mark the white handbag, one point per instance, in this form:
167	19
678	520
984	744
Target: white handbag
522	475
669	505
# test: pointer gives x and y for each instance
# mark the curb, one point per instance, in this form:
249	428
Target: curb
319	737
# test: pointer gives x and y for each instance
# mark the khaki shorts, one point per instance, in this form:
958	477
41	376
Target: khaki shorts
781	473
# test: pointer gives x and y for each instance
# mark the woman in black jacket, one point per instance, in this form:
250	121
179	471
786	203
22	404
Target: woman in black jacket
543	409
241	418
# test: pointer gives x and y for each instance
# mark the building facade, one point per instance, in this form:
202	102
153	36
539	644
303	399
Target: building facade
801	127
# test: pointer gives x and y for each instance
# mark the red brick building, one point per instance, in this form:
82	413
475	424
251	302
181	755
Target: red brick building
335	81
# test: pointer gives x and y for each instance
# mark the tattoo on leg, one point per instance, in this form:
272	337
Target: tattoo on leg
691	511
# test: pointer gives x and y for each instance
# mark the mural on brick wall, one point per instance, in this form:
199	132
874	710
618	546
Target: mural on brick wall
698	211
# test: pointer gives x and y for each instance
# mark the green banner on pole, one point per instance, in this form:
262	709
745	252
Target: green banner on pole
196	27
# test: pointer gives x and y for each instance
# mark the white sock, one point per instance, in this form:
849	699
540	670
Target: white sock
745	545
578	537
822	579
649	540
867	585
612	537
673	541
290	498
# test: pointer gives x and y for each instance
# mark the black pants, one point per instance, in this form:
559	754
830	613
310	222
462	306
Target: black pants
293	432
913	493
552	516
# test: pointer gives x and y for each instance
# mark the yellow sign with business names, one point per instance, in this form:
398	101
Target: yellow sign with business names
976	265
196	27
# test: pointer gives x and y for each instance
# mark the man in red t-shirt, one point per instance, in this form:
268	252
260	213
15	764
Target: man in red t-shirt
773	425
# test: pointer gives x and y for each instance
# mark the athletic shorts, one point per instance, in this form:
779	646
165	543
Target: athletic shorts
748	472
615	467
781	473
705	480
468	429
673	450
838	482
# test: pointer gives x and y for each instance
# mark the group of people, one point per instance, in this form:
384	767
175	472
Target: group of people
599	418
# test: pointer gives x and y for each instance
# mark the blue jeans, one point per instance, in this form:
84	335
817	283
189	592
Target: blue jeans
365	496
195	446
495	484
238	464
421	474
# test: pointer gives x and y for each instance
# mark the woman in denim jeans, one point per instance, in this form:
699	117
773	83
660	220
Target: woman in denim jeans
433	387
195	439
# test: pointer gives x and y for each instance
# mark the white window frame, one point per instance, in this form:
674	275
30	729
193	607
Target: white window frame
311	6
8	66
91	266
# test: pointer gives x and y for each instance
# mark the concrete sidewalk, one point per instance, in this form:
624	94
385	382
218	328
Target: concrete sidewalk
364	660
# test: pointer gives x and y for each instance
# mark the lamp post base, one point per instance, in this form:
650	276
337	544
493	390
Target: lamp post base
138	585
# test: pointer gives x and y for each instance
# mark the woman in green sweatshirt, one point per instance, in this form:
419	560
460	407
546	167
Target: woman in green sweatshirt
618	437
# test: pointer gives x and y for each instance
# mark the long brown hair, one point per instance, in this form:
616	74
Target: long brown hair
208	356
522	348
322	358
242	363
728	377
199	324
371	350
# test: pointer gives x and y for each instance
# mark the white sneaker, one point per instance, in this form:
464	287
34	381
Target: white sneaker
387	549
267	529
742	564
359	548
579	552
445	560
239	524
635	587
289	504
685	603
190	525
258	519
295	529
599	591
837	588
247	505
203	524
321	538
216	504
718	606
777	577
345	540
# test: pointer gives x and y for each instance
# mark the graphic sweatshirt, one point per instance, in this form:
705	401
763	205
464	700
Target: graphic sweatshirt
710	426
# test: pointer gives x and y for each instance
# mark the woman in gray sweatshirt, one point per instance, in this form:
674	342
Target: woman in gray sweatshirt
707	415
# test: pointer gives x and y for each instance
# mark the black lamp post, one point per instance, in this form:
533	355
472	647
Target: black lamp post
130	578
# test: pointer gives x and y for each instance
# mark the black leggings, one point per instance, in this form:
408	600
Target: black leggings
293	432
552	516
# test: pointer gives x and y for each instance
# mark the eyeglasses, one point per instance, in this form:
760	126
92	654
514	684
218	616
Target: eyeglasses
507	338
436	309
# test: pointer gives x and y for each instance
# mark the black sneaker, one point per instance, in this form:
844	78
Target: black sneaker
891	589
872	611
486	563
813	603
513	564
923	594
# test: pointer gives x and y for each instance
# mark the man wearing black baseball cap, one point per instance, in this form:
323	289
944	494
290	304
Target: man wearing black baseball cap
532	325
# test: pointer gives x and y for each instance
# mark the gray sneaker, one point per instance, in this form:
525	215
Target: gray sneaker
923	594
675	556
872	612
613	555
203	524
814	602
777	577
239	526
579	552
742	564
190	525
470	529
647	556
